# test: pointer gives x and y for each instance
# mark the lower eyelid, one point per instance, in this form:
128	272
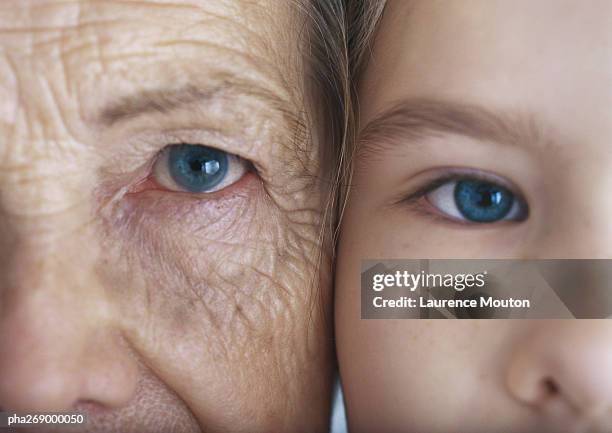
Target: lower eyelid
157	214
422	208
152	186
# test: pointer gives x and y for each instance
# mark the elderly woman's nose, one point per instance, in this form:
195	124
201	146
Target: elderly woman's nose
59	345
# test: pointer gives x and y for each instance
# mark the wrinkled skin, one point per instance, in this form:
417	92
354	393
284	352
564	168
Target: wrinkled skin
545	67
157	310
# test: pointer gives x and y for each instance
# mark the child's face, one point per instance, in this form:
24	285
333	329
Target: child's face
517	95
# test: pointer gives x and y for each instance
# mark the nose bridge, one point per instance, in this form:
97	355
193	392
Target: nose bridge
42	181
575	222
45	200
48	225
53	308
41	263
49	262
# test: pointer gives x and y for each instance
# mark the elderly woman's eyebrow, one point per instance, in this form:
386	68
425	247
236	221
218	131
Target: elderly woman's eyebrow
167	99
416	119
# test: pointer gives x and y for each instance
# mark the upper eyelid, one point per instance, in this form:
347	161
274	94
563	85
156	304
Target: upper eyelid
142	121
428	187
196	106
144	147
251	162
456	174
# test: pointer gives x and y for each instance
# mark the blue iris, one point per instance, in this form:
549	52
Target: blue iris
197	168
481	201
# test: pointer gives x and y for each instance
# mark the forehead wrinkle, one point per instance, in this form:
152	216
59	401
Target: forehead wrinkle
84	49
52	15
113	20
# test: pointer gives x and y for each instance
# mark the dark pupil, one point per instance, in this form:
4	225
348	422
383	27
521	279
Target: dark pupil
482	201
197	168
488	197
204	166
196	165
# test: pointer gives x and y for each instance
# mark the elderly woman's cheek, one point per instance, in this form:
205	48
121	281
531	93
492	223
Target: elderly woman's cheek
228	260
215	288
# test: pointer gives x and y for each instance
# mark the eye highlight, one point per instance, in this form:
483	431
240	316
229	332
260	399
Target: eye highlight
477	201
197	168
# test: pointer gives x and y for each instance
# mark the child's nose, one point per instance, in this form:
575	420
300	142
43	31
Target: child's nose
567	362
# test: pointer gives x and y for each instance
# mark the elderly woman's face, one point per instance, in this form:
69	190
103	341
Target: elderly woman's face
159	218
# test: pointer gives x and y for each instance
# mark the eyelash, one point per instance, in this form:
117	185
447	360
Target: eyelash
416	198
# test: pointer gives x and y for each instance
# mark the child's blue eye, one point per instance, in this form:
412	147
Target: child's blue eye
482	201
198	169
477	201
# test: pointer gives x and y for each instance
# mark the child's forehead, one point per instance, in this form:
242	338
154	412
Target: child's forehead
520	56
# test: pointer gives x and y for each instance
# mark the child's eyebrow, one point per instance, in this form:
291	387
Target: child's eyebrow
420	118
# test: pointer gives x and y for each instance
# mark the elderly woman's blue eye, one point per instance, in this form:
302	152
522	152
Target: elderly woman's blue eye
477	201
197	168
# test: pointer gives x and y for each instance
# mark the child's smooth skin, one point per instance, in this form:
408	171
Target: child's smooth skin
517	94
